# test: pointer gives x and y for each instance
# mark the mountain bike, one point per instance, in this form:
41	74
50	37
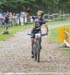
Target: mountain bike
37	46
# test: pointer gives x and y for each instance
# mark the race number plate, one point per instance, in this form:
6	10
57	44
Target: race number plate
37	35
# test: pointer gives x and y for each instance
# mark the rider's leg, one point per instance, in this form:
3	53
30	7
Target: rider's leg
41	40
41	43
32	40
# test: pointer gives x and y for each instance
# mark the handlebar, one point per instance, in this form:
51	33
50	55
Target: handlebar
41	34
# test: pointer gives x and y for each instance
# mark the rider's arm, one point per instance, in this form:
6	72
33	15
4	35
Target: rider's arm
34	17
46	26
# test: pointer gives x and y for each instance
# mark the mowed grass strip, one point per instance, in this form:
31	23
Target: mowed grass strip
13	30
59	22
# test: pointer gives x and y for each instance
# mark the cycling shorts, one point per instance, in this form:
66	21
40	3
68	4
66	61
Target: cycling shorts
34	31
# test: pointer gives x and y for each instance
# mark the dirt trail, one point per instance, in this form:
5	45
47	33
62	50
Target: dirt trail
15	56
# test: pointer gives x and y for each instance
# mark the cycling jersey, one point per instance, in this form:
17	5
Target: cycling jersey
38	22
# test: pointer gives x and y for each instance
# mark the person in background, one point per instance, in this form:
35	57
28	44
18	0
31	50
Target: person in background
21	15
6	24
27	15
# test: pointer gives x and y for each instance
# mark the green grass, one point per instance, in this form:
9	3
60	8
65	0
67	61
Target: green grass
58	22
13	30
54	37
55	34
67	51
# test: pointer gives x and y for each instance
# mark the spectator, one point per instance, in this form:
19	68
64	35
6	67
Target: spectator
27	16
17	19
21	15
6	24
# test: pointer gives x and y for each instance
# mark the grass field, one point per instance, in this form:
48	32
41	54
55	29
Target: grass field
13	30
55	37
55	34
58	22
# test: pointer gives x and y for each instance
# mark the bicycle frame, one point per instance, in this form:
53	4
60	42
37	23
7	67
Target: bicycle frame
37	45
36	48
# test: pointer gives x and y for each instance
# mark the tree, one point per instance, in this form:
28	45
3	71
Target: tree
50	6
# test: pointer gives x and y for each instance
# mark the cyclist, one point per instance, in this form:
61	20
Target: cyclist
39	20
